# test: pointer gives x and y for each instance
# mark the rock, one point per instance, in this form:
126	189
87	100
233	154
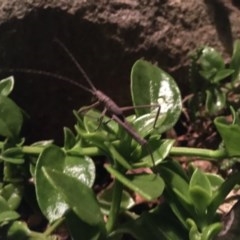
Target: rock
106	37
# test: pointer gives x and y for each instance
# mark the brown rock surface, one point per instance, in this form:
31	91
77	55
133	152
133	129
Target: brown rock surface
106	37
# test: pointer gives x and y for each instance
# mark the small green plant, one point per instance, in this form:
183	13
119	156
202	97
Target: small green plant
64	177
208	75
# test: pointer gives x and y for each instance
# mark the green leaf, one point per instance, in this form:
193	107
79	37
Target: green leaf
43	143
194	233
215	181
176	168
206	233
215	101
144	124
200	198
211	231
13	194
208	75
211	59
93	121
149	186
77	226
69	138
105	200
13	173
176	191
8	216
177	184
81	168
3	204
164	149
200	191
222	74
235	61
221	193
11	118
235	116
230	134
150	86
116	156
160	149
80	198
159	224
18	230
50	200
13	155
12	160
6	86
199	179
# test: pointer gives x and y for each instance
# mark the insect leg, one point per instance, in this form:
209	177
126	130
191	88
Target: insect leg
127	108
145	106
157	115
134	134
86	108
101	117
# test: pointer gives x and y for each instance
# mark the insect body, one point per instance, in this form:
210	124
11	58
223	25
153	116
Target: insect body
109	104
116	112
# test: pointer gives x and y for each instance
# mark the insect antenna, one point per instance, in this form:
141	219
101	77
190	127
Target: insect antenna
48	74
73	59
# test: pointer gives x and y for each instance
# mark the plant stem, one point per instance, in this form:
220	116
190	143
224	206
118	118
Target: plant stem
195	152
198	152
88	151
53	227
36	150
32	150
175	151
115	206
